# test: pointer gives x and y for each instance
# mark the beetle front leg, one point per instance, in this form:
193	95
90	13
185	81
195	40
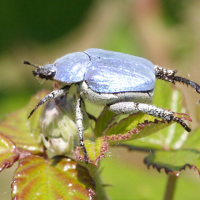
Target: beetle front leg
79	123
131	107
169	75
54	94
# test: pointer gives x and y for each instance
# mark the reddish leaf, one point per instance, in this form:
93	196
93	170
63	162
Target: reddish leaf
57	178
8	152
25	132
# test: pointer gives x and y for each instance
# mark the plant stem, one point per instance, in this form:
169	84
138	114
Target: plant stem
170	188
100	189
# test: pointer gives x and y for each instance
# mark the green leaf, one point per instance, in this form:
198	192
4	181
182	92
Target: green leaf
167	96
193	141
133	127
56	178
173	99
104	118
25	133
172	137
8	152
174	161
95	150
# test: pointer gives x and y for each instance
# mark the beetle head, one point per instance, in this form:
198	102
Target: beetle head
45	72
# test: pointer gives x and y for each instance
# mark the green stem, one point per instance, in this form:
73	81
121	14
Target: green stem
170	188
100	189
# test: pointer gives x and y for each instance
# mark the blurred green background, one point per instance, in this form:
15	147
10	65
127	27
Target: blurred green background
167	32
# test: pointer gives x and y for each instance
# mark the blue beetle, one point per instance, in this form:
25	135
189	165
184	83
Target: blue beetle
123	82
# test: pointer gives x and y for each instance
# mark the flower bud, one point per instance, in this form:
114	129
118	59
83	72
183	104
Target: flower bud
58	146
59	131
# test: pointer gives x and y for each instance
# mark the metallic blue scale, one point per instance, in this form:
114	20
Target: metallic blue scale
112	72
71	67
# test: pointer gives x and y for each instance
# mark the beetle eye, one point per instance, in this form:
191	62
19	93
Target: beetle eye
48	75
51	74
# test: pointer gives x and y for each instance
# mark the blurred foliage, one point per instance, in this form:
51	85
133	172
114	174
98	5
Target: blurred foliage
164	31
40	21
25	22
173	11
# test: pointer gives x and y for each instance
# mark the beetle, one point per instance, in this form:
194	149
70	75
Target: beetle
125	83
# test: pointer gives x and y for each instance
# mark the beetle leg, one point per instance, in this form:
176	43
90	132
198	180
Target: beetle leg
54	94
131	107
79	123
169	75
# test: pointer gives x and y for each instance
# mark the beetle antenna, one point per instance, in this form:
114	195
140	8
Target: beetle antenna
28	63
